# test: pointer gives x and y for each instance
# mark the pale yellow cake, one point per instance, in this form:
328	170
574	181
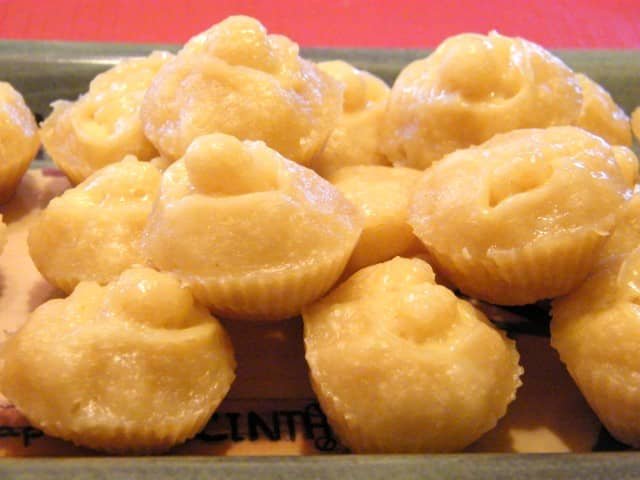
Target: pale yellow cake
382	195
103	125
601	115
19	142
93	231
400	365
356	138
236	79
471	88
521	217
256	236
596	331
133	367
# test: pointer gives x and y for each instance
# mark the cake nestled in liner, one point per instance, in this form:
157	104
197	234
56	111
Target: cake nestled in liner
256	236
401	365
596	331
382	195
521	217
236	79
356	138
471	88
103	125
601	115
132	367
94	231
19	142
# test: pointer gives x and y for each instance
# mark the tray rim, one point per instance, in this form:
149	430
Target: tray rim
589	466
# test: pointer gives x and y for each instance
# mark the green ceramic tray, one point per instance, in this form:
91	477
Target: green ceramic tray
47	71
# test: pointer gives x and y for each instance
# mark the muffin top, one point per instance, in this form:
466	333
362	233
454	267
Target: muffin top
394	359
126	367
356	137
103	125
236	79
232	207
601	115
101	218
382	194
471	88
19	140
518	188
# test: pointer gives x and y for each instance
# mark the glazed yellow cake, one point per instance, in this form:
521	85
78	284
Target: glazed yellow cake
355	139
521	217
19	142
601	115
596	331
400	365
133	367
471	88
382	195
236	79
103	125
93	231
256	236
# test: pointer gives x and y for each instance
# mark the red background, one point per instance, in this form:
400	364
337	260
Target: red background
359	23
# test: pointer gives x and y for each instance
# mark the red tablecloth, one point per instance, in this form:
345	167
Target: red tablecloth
359	23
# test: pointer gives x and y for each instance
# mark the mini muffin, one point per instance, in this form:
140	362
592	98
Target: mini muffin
103	125
596	331
93	231
521	217
400	365
19	142
236	79
133	367
255	235
382	195
601	115
356	138
471	88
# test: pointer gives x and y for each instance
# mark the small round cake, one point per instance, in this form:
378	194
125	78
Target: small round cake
355	139
93	231
236	79
133	367
19	142
382	195
596	331
601	115
521	217
400	365
256	236
471	88
103	125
